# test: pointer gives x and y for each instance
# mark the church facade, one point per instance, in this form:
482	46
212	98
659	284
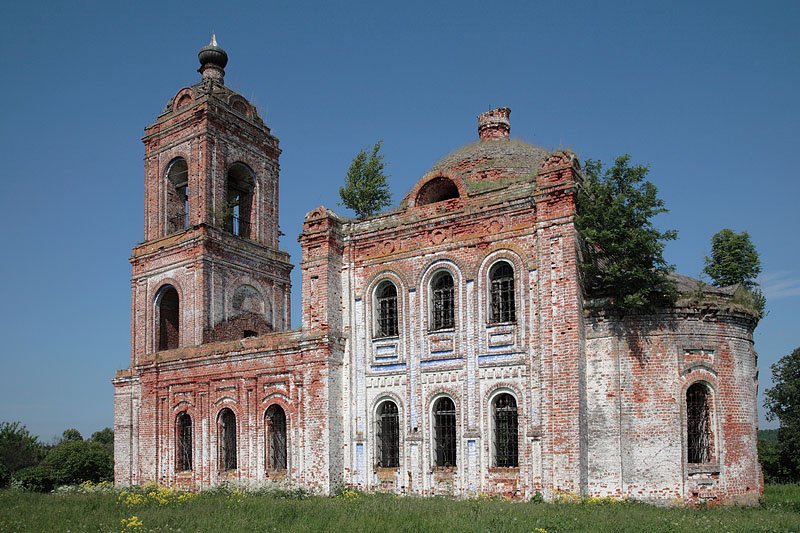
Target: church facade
446	346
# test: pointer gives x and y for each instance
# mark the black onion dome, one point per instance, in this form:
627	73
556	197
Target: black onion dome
212	54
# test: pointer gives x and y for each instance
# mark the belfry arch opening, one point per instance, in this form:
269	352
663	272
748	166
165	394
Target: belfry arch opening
239	201
437	190
177	185
168	308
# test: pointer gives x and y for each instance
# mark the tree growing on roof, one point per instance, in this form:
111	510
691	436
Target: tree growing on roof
366	190
623	256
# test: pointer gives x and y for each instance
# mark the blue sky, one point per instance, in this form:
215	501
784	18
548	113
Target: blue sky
703	92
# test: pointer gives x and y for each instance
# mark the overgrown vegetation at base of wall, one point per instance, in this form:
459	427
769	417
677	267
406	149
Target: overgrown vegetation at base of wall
98	507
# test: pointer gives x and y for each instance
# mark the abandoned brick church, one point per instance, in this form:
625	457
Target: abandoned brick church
446	346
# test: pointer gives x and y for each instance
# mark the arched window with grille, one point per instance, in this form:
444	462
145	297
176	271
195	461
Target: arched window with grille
442	301
177	189
386	308
275	418
226	431
506	431
699	430
503	304
444	432
168	307
183	438
387	435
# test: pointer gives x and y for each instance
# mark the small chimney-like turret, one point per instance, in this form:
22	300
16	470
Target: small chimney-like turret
494	124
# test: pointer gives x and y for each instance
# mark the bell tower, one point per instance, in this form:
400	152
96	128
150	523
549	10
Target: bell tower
209	268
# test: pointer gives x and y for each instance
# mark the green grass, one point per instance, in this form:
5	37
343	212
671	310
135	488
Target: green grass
23	511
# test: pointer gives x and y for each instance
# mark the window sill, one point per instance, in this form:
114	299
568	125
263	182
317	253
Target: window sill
441	330
387	338
703	468
498	324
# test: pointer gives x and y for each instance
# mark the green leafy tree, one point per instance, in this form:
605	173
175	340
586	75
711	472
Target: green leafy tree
733	259
783	402
18	449
365	190
623	252
71	435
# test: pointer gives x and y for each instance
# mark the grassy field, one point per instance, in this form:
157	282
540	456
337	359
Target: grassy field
162	510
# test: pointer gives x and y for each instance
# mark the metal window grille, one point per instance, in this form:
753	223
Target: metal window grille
444	428
227	432
184	431
502	293
276	431
388	433
698	421
387	310
443	308
506	449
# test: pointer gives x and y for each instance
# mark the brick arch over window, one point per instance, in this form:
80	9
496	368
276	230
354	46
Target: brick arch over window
226	439
168	312
276	447
240	200
176	180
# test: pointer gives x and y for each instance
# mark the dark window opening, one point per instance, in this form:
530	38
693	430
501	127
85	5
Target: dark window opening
177	196
276	438
386	297
227	439
239	206
168	319
442	301
503	304
506	448
388	435
437	190
248	333
699	435
444	430
183	429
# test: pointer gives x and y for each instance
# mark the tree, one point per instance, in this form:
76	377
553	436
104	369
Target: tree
623	252
71	435
783	402
18	449
733	259
365	190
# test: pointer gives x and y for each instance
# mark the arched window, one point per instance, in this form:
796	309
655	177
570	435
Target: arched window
239	205
226	431
386	307
168	318
177	196
276	437
506	449
183	434
437	190
699	432
442	305
501	278
388	435
444	432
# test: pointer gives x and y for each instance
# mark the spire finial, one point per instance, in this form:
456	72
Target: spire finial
213	39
